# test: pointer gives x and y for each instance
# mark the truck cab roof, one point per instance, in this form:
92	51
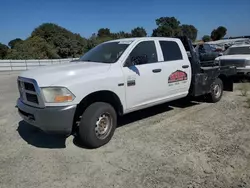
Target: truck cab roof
143	39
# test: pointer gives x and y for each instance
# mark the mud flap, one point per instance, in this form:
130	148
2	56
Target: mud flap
200	84
228	84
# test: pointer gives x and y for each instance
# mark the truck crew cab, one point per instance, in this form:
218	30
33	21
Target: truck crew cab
115	78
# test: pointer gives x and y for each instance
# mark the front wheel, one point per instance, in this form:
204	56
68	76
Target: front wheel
97	125
216	91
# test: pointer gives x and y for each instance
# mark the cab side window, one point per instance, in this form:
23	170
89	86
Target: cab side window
143	53
170	50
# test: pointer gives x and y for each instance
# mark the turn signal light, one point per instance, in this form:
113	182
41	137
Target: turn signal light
63	98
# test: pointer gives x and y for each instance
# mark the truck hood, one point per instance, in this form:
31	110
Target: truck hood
53	74
232	57
234	60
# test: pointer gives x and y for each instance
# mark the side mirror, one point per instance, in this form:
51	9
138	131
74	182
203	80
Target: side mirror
136	60
139	60
220	54
129	63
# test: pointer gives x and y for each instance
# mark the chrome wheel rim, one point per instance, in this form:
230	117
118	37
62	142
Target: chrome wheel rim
103	125
217	90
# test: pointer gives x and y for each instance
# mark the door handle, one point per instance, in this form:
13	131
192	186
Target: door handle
185	66
156	70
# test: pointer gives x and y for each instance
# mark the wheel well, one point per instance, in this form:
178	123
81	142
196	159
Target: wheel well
223	78
99	96
227	82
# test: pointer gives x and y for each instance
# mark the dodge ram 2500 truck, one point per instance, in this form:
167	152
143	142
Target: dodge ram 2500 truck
115	78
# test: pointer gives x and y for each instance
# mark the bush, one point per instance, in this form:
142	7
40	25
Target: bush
65	43
3	51
206	38
32	48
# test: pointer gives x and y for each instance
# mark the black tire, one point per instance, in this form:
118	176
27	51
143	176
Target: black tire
216	94
88	125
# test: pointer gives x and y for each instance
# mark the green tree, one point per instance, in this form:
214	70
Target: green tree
163	31
103	35
120	34
138	32
13	42
66	43
206	38
104	32
171	27
171	22
95	40
91	42
3	50
33	48
125	34
167	27
218	33
190	31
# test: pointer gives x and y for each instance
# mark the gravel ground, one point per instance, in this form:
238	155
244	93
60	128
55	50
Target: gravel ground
182	144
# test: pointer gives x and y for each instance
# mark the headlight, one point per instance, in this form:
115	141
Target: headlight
57	94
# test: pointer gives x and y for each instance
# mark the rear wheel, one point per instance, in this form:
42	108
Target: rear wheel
216	91
97	125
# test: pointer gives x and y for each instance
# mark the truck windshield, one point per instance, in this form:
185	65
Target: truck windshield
105	52
238	50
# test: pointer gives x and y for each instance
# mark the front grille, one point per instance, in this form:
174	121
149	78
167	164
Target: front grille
233	62
30	92
29	86
32	98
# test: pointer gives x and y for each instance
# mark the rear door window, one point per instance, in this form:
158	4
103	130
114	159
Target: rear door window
171	51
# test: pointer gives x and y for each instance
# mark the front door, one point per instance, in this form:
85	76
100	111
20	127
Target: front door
144	78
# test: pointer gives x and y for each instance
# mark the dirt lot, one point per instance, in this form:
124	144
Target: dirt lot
173	145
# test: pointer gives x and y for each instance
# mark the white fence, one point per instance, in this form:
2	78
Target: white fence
18	65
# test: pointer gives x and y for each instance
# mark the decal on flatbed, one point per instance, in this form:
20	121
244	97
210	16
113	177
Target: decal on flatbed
177	76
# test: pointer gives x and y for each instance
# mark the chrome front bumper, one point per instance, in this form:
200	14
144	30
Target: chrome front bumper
243	70
49	119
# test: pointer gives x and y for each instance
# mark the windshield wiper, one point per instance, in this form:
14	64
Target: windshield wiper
88	60
85	60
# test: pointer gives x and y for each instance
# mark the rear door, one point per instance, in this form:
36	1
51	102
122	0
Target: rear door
176	68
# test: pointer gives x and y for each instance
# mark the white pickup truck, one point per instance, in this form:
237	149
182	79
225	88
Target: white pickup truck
115	78
237	55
